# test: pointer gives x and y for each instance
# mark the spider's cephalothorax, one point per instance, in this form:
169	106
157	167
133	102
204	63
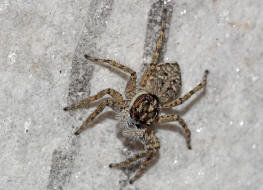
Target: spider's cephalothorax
144	108
159	88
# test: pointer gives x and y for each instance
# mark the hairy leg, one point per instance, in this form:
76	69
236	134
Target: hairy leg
108	102
146	162
129	160
175	117
152	66
131	85
179	101
115	94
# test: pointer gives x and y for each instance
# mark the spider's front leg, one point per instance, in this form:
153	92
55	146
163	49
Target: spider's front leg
129	160
175	117
180	101
108	102
138	133
149	154
113	93
146	162
152	146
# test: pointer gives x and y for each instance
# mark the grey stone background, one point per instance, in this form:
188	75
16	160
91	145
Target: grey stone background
42	70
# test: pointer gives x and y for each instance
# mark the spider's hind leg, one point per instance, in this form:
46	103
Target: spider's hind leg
151	68
131	85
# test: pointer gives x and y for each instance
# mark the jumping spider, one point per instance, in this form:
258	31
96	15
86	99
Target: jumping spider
159	88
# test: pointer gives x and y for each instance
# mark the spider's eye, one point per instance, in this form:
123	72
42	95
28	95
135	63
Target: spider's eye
145	109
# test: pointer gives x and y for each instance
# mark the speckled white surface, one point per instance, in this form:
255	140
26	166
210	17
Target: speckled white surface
38	42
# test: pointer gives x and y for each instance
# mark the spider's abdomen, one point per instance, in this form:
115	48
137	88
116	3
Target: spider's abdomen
144	108
165	82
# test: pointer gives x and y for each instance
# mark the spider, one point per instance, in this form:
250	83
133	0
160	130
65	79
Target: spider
158	88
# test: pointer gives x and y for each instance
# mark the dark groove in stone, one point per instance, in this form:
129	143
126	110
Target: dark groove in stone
63	156
154	21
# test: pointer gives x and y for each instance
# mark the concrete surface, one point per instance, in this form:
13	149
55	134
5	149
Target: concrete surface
43	70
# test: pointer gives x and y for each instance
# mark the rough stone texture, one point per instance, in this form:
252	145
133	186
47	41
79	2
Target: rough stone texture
42	70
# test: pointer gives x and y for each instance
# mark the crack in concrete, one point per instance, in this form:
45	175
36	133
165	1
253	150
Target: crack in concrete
154	21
